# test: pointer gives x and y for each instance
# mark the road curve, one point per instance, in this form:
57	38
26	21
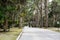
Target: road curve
39	34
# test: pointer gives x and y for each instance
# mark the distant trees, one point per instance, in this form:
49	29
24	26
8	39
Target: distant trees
39	12
54	13
49	13
42	11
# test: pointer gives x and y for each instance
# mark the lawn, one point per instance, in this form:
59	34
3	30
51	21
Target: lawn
54	29
12	35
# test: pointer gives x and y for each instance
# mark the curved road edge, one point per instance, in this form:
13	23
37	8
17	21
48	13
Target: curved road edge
19	36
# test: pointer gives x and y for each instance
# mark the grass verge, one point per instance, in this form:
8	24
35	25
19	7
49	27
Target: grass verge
12	35
54	29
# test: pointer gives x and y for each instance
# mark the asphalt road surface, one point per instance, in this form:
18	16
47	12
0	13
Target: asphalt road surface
39	34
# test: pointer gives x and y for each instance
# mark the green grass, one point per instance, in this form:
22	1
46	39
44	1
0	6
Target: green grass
12	35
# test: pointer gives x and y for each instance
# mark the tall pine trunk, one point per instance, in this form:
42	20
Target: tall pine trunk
41	22
46	13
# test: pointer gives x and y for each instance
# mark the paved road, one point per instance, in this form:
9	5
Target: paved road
39	34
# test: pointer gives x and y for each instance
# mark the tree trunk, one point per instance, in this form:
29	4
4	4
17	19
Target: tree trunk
5	24
53	20
46	13
41	22
20	23
13	20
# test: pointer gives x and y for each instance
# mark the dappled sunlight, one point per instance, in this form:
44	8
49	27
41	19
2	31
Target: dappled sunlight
29	19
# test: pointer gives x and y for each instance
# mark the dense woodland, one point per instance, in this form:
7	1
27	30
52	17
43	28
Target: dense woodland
35	13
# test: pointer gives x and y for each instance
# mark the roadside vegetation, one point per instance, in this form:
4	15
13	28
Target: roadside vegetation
54	29
11	35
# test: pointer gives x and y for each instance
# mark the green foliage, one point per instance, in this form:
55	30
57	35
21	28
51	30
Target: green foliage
10	8
55	10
